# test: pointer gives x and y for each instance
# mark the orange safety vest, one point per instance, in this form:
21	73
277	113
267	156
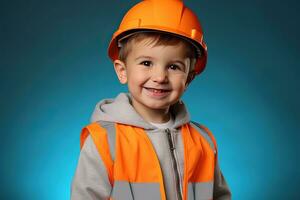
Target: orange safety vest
135	172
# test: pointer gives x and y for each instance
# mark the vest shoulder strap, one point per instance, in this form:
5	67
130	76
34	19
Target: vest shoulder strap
110	128
103	136
207	134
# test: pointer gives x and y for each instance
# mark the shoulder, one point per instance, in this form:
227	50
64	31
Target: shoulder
99	127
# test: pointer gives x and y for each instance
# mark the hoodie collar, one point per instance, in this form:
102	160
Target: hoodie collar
120	110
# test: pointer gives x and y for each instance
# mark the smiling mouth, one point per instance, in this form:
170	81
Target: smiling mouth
158	91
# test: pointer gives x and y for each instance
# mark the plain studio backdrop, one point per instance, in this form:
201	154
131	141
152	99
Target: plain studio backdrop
55	68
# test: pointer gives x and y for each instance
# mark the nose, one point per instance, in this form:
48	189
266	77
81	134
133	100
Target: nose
159	75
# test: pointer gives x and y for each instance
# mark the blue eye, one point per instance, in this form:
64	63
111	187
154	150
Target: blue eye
146	63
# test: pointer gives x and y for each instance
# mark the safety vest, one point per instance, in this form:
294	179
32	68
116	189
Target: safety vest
133	167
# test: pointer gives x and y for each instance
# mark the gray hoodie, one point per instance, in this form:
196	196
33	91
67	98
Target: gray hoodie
91	180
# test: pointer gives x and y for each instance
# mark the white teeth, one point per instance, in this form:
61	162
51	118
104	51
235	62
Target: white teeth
156	90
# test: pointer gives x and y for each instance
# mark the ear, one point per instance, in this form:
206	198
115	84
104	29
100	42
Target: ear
121	71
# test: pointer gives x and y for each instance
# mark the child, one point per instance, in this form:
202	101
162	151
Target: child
142	145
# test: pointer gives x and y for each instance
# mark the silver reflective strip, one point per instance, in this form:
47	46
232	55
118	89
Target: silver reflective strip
204	134
146	191
204	191
200	191
111	136
124	190
191	189
121	191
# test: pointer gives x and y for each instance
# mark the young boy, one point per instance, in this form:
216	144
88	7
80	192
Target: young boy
142	145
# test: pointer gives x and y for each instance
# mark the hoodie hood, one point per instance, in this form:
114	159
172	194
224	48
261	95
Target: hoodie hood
120	110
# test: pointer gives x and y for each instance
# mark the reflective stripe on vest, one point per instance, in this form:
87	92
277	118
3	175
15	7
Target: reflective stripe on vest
200	191
123	190
135	171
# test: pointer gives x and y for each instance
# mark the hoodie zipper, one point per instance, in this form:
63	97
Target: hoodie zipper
177	178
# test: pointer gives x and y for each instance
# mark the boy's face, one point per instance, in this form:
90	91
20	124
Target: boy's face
156	75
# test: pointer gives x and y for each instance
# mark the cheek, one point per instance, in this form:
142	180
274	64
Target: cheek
179	83
182	87
136	79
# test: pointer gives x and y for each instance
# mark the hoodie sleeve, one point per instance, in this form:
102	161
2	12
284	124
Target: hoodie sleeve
91	179
221	189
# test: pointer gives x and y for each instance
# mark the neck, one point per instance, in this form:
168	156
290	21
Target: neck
152	115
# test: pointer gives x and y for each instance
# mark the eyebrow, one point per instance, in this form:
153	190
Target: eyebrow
179	61
147	57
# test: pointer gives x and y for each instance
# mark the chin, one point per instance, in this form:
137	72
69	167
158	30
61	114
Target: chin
157	106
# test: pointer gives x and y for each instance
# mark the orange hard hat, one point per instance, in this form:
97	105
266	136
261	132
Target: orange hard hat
168	16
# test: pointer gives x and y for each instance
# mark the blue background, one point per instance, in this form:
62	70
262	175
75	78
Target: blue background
54	68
